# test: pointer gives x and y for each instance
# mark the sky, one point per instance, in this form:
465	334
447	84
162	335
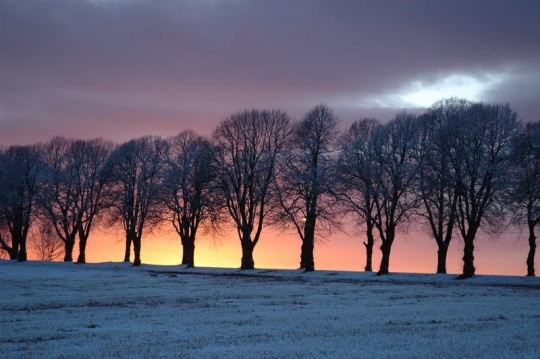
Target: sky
124	68
120	69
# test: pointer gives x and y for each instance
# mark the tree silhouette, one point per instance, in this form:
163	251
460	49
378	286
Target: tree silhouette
304	179
398	152
436	184
247	144
479	153
188	188
524	184
59	197
356	178
135	174
20	181
46	243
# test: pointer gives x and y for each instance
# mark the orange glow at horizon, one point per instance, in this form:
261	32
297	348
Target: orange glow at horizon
413	252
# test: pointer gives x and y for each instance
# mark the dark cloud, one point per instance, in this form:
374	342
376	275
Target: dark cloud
124	68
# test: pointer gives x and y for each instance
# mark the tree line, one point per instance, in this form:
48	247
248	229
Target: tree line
457	168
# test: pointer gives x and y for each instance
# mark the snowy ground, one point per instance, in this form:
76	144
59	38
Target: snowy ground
61	310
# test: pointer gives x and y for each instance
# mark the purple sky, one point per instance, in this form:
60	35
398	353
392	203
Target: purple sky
120	69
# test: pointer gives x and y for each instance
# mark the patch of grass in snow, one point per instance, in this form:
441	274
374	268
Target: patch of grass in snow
31	340
494	319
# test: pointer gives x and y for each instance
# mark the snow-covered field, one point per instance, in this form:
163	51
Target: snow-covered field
63	310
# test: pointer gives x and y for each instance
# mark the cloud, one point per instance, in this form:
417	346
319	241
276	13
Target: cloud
66	64
423	93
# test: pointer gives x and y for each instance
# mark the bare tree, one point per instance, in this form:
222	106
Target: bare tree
304	180
188	188
20	180
135	174
436	185
247	144
71	195
479	152
46	243
89	161
524	184
356	178
59	198
5	248
398	153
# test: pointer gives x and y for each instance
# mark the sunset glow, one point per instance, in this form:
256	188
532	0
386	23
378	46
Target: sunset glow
413	252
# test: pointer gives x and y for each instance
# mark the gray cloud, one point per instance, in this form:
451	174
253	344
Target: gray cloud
125	68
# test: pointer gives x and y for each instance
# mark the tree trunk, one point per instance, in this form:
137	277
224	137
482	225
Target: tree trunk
23	256
386	248
369	248
69	244
137	250
247	252
302	255
385	260
128	248
14	253
188	246
532	251
307	260
184	251
441	258
82	249
468	257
